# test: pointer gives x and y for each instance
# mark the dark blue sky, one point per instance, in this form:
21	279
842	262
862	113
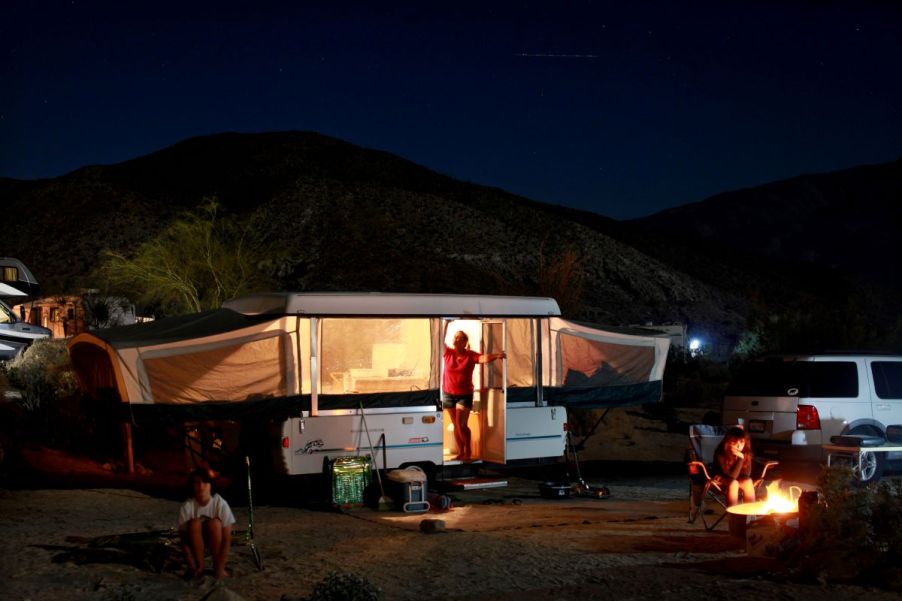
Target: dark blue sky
619	110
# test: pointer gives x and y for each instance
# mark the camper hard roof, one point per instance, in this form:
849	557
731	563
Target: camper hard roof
379	303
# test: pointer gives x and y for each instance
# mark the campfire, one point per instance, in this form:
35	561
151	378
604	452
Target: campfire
777	502
769	526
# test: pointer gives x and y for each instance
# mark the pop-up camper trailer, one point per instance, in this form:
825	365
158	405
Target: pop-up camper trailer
316	360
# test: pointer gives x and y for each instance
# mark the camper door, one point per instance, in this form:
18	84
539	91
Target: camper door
493	413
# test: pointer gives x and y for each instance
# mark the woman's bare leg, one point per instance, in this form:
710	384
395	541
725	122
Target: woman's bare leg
452	419
733	493
748	491
463	415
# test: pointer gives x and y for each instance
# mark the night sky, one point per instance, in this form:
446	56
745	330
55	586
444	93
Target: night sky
619	110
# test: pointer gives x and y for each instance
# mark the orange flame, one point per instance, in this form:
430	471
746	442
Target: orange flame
779	502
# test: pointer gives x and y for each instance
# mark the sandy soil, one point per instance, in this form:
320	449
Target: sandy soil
506	543
500	544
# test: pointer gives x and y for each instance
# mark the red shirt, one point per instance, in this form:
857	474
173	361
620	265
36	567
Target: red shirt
458	377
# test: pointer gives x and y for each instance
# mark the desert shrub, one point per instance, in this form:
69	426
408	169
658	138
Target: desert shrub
342	586
195	263
4	380
855	534
51	409
561	276
43	373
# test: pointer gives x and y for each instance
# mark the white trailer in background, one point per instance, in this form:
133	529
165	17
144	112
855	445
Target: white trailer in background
319	361
16	285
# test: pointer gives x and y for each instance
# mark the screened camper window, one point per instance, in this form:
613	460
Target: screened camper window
520	354
360	356
246	370
587	363
10	274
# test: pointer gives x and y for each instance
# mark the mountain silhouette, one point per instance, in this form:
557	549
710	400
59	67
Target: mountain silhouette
336	216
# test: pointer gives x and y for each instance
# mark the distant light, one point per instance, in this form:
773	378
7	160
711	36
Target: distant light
695	344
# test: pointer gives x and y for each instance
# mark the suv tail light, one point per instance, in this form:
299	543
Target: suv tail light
807	418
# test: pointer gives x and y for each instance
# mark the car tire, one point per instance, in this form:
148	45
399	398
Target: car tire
871	467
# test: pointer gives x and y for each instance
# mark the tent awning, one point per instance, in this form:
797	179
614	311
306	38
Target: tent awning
7	291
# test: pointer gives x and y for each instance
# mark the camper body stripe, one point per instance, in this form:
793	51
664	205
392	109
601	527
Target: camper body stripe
545	437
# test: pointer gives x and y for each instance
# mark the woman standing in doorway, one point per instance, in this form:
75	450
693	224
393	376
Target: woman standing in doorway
457	387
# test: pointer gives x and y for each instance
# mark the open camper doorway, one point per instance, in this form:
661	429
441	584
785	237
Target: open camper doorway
493	395
486	421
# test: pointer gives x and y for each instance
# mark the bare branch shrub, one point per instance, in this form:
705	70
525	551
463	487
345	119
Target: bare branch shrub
562	278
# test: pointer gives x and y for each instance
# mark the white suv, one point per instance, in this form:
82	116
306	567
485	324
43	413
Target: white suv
792	405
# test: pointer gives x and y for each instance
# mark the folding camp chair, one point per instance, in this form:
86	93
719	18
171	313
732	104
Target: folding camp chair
703	441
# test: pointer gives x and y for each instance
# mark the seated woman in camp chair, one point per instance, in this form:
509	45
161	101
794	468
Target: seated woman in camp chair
733	466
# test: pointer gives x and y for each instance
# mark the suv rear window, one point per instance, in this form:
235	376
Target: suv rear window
887	379
770	378
822	379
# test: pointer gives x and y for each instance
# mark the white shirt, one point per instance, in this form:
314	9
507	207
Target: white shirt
216	508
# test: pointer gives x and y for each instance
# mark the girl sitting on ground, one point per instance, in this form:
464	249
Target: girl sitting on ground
205	522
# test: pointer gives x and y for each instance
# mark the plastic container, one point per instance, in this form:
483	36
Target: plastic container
350	478
555	490
409	489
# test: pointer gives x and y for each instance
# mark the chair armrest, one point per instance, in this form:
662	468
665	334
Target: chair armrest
767	466
700	465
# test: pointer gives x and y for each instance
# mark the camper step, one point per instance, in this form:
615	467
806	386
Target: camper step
450	462
475	483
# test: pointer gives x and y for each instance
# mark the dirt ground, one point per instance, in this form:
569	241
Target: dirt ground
81	530
500	543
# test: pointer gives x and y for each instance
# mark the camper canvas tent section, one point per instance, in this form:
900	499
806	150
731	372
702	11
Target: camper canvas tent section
593	367
199	365
315	360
